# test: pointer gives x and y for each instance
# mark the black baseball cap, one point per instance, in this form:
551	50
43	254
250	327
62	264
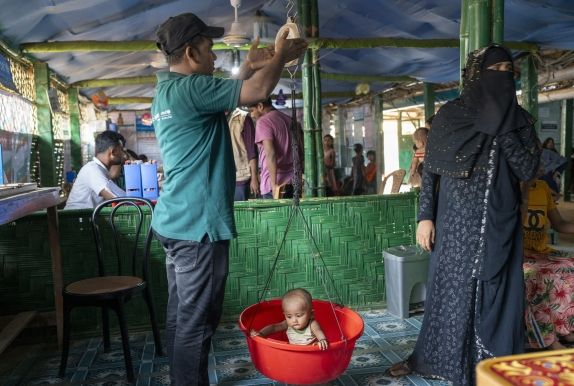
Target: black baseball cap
181	29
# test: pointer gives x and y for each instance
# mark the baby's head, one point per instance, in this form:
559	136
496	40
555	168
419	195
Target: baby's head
420	137
298	308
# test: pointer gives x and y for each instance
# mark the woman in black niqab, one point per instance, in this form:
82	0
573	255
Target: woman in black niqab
480	147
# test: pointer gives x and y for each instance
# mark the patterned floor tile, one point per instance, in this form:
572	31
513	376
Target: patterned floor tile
233	342
386	340
111	374
392	326
378	378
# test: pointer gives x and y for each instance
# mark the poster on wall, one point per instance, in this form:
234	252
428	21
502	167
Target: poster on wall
144	122
6	79
15	156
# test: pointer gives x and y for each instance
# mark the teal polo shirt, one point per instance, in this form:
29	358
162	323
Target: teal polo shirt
190	125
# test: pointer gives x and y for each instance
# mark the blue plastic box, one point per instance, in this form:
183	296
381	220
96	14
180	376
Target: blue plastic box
150	187
133	177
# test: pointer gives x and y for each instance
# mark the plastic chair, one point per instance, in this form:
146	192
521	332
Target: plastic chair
129	242
397	177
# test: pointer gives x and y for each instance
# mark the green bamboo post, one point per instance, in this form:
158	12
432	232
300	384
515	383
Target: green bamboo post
316	100
75	142
379	138
48	175
308	123
428	98
566	144
318	118
340	130
529	84
478	24
464	44
497	21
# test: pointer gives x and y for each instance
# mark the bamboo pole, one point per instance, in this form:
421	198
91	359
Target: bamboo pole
308	123
48	175
317	108
379	139
497	21
316	43
464	44
429	99
566	143
529	84
479	24
75	142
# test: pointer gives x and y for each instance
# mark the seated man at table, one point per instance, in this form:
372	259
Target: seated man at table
94	182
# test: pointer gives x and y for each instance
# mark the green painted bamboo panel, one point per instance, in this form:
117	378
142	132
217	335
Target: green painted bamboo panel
350	234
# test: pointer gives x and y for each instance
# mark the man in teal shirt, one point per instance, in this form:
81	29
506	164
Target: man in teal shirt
194	215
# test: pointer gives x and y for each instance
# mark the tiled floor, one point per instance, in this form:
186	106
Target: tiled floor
386	340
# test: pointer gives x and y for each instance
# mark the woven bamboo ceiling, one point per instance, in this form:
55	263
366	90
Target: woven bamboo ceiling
547	23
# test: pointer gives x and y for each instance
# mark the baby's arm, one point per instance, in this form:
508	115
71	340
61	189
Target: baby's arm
270	329
321	338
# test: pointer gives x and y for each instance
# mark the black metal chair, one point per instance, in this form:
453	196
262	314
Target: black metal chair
130	241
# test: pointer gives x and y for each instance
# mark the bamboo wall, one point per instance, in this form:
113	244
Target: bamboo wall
350	232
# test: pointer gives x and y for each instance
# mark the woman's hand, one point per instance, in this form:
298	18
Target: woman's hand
425	234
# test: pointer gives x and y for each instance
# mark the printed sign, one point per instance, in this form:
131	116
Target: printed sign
6	79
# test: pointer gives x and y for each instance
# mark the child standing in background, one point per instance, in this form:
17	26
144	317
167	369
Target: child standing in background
358	171
416	170
329	157
371	172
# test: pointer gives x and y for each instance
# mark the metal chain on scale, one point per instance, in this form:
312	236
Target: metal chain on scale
297	182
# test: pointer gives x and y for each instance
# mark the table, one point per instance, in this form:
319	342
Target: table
20	205
545	368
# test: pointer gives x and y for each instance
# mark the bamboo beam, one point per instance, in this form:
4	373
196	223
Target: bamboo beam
129	100
111	82
151	79
137	100
366	78
314	43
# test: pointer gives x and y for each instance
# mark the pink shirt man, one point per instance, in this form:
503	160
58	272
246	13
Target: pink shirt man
274	126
